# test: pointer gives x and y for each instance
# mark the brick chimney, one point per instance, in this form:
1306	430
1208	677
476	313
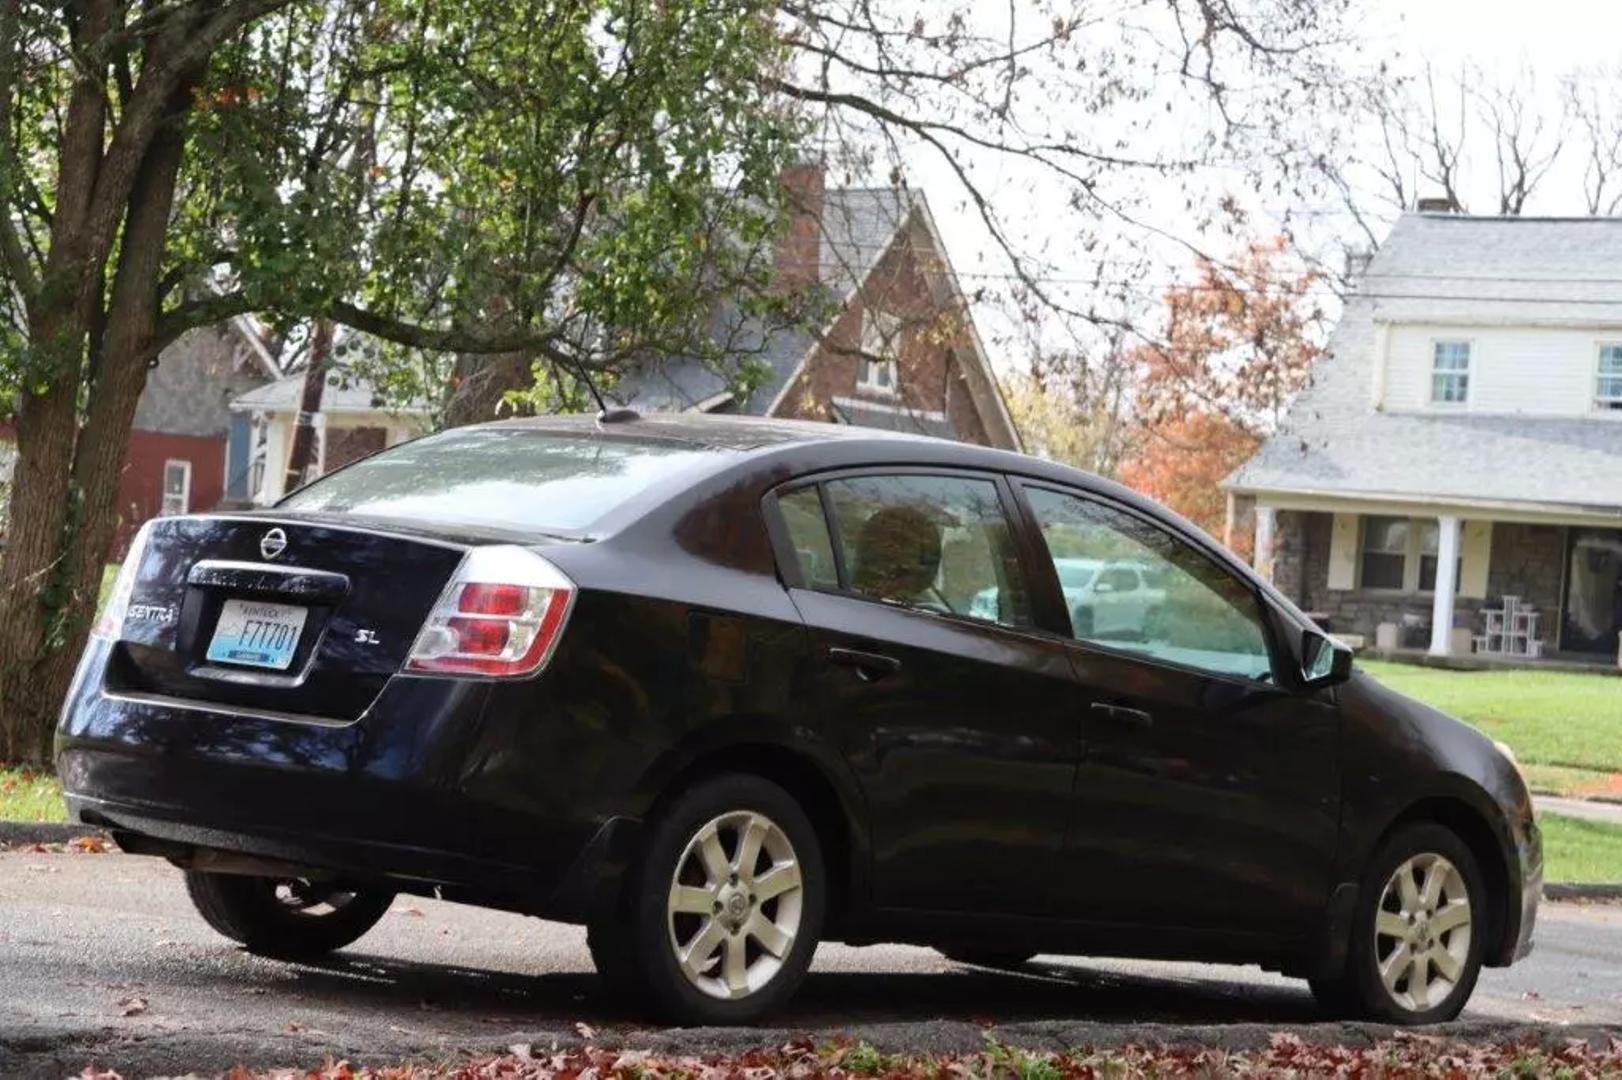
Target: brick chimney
799	249
1437	204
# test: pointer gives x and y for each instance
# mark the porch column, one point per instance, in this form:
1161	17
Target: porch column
1447	585
1262	559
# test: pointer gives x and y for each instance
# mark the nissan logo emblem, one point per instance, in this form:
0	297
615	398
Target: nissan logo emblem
273	543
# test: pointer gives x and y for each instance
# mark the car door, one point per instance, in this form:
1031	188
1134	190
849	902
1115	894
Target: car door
958	718
1207	796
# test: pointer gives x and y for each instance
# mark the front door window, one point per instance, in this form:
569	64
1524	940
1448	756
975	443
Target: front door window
1148	592
1593	615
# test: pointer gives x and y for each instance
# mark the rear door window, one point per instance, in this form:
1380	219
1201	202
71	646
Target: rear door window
931	542
501	477
808	532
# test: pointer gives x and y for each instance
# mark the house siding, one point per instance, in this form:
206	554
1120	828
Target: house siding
1541	371
140	486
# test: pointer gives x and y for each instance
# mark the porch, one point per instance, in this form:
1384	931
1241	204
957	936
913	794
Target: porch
1462	585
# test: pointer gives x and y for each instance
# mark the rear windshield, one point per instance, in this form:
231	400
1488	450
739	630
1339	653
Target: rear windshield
500	477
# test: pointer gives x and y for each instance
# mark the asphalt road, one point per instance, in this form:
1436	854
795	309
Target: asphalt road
86	939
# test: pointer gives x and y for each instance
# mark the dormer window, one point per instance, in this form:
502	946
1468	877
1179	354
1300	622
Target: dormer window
1450	372
1608	384
876	369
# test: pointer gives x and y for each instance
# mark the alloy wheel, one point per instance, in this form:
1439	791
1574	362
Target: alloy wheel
735	904
1422	932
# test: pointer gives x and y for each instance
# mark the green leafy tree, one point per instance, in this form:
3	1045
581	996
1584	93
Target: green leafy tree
574	180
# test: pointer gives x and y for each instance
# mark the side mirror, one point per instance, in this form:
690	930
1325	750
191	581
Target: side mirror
1324	661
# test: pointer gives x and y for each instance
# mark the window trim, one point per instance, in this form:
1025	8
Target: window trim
892	355
790	575
1467	371
185	487
1279	658
1606	406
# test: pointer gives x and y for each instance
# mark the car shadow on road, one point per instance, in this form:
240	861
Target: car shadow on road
1035	991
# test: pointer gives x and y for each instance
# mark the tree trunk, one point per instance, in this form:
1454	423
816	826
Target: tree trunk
63	523
38	516
479	384
302	454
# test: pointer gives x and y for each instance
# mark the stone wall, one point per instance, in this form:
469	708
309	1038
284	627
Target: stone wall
1527	561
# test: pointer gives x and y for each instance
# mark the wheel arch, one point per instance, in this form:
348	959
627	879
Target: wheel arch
1476	829
831	803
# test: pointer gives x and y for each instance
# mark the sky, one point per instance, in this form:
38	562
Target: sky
1499	37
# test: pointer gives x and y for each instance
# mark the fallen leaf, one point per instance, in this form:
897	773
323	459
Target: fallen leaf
88	845
586	1031
415	913
132	1006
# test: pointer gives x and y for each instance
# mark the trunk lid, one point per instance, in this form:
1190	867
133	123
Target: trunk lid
277	613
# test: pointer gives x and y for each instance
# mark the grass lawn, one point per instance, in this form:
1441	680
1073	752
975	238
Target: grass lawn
108	574
30	796
1576	850
1548	718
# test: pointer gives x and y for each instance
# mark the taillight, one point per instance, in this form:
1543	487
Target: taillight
501	615
110	623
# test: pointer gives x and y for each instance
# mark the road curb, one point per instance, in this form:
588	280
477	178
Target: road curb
44	832
1570	890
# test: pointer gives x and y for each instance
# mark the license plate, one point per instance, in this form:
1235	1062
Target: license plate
257	633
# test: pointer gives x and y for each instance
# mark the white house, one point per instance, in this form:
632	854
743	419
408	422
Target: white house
352	423
1452	478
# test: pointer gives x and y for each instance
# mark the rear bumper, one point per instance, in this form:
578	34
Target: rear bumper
386	797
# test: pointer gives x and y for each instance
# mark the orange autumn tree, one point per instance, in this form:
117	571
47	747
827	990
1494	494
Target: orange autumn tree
1238	344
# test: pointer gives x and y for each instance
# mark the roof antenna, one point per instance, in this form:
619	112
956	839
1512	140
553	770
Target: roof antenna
605	415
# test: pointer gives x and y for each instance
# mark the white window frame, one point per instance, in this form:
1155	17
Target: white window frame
881	336
164	507
1437	372
1612	402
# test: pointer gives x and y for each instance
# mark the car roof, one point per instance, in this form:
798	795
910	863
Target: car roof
807	446
709	430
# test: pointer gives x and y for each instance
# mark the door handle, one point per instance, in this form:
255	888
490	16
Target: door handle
1124	714
869	666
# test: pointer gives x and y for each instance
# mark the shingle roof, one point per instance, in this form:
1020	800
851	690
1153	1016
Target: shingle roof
858	225
343	393
1446	268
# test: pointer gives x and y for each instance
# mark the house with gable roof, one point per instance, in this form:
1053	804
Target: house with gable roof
1451	480
900	350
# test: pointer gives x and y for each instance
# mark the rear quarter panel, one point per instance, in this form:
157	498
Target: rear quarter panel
682	644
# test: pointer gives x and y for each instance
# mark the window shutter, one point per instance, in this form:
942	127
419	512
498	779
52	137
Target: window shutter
1475	549
1343	552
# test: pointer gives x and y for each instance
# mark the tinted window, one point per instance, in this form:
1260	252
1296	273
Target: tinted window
1195	614
1385	552
501	477
808	532
940	543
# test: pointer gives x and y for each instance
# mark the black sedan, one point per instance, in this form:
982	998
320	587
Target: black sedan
719	689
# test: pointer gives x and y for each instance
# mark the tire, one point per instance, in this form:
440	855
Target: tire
1435	990
677	901
284	918
991	958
